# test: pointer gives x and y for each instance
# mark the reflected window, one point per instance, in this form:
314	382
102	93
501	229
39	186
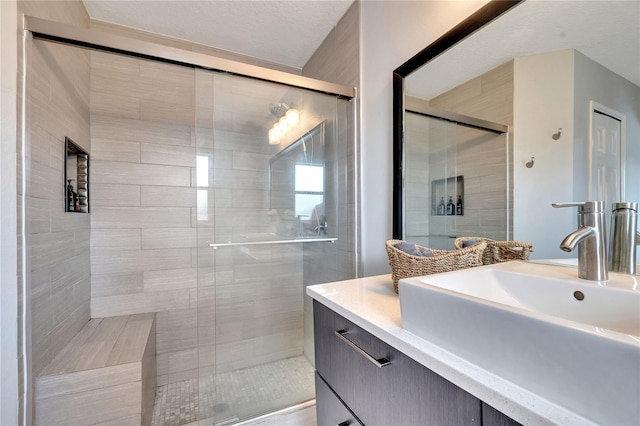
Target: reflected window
309	189
202	181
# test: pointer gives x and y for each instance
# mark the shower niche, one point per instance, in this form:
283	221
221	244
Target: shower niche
447	196
76	178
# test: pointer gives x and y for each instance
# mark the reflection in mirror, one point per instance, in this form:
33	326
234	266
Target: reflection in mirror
454	177
539	67
297	181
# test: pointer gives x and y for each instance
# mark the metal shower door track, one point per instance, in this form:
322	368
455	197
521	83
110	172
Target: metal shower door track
97	40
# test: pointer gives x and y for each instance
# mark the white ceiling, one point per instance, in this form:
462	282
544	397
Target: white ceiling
608	32
284	32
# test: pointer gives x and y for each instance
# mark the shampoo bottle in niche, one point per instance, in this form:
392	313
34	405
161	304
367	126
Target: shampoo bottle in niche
70	201
459	208
441	207
450	206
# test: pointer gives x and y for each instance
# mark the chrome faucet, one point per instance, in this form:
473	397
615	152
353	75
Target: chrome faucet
590	239
624	238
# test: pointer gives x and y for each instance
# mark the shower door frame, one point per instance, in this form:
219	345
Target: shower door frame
43	29
54	32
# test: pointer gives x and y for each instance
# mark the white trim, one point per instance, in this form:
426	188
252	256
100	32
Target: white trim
598	107
9	396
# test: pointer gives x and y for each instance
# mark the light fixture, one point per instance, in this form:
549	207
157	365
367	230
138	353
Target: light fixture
288	118
292	116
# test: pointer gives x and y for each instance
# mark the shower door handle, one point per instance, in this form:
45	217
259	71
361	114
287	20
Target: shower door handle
379	362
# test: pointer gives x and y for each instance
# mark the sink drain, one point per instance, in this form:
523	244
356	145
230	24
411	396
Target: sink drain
578	295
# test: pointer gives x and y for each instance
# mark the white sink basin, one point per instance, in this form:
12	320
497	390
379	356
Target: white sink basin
524	322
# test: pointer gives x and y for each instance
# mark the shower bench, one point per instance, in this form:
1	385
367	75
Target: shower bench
106	374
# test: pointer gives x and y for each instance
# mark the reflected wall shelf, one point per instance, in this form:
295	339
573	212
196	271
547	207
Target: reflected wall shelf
446	191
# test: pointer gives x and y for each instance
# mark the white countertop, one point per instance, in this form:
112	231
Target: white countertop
371	304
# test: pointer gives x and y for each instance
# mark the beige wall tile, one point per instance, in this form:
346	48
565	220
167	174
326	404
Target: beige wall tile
116	105
140	217
176	330
115	239
114	195
170	279
158	238
337	58
105	306
163	112
167	154
116	284
167	196
140	260
87	380
97	406
183	360
68	221
139	174
113	150
125	130
39	215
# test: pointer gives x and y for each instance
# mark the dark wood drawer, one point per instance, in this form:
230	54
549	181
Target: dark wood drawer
329	408
401	393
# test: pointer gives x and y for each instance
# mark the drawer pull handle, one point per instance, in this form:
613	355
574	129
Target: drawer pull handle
345	423
382	362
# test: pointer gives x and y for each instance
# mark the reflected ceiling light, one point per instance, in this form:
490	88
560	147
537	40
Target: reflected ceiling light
292	116
288	117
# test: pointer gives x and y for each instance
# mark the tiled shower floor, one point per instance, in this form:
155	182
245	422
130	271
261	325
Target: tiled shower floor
235	395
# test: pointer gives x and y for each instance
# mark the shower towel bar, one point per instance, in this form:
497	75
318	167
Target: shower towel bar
254	243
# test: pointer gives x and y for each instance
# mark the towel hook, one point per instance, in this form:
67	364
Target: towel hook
529	164
557	135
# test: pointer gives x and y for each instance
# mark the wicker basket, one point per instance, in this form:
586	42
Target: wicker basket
405	265
498	251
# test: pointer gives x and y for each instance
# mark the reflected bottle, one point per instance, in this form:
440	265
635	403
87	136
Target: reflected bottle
450	207
70	203
459	208
441	207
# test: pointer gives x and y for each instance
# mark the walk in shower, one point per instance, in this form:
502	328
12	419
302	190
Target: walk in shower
216	198
270	208
456	178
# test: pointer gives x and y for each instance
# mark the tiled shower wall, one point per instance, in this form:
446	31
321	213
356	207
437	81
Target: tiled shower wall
234	307
57	243
143	201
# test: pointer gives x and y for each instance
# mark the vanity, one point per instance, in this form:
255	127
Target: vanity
372	370
516	343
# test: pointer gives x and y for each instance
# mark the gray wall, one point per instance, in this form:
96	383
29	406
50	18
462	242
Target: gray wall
597	83
391	32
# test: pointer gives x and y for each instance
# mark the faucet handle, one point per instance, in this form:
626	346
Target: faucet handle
583	206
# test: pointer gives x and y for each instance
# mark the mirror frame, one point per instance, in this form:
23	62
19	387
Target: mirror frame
464	29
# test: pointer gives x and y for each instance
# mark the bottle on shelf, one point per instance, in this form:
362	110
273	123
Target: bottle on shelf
70	202
459	207
441	207
451	208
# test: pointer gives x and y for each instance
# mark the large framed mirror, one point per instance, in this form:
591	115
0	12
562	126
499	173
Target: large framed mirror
562	78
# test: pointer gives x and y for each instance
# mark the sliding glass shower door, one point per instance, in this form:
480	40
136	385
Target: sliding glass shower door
456	182
273	194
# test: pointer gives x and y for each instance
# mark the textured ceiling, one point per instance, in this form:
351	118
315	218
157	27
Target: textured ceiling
608	32
284	32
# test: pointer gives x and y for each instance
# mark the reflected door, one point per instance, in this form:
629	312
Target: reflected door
606	174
